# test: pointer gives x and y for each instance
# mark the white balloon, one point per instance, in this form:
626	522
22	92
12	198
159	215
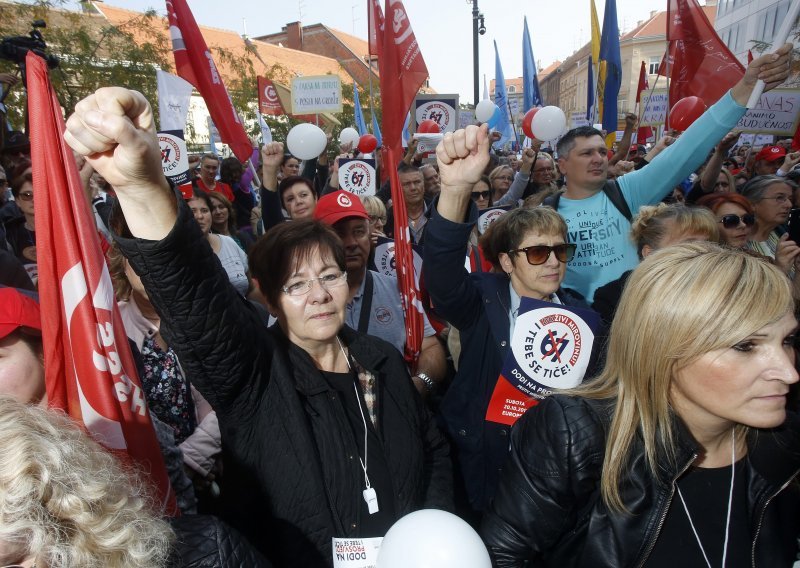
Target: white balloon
550	125
306	141
349	135
432	539
484	110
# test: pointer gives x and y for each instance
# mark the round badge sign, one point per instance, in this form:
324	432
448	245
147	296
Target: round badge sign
174	159
489	217
271	94
552	346
440	112
357	177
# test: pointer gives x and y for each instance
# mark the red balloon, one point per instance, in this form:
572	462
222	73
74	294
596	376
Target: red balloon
429	127
685	112
526	122
367	143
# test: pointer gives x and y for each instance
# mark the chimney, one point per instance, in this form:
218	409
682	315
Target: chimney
653	13
294	36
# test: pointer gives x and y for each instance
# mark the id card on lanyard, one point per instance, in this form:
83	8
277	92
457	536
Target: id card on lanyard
550	349
356	552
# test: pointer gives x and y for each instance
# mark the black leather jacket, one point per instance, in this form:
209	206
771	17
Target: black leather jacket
548	511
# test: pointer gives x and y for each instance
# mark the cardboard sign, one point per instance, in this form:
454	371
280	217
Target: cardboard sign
319	93
174	156
550	349
427	143
442	109
577	119
777	112
465	118
358	176
654	107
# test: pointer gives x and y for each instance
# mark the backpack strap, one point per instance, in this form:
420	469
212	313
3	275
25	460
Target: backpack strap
614	194
552	201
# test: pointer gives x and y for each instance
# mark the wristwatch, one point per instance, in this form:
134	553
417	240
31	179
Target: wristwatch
426	380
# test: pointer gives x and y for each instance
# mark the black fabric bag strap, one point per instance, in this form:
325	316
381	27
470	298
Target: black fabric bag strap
366	303
612	191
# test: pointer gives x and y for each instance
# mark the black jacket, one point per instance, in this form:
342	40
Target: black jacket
548	511
478	306
203	541
292	475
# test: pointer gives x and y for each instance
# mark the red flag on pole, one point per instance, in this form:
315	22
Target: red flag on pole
268	101
89	369
644	132
375	24
194	63
702	65
403	72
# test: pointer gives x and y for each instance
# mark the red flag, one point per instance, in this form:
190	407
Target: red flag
644	132
89	369
403	72
268	101
375	24
194	63
701	63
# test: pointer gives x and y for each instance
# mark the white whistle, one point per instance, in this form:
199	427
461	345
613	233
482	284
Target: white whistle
372	500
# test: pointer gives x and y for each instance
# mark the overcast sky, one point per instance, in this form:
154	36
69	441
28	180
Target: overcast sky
443	28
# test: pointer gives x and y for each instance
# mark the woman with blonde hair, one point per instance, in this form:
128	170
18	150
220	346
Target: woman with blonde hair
656	227
682	450
65	502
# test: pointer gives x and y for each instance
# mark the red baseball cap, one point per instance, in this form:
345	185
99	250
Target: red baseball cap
771	153
18	310
339	205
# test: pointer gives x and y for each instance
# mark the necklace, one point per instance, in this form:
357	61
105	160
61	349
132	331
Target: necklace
730	502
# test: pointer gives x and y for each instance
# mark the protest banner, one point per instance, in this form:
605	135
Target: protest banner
777	112
174	156
578	118
358	176
654	107
319	93
442	109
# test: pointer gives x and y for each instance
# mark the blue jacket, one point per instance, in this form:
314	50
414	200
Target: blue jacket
478	306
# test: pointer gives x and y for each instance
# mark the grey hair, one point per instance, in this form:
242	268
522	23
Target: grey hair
755	189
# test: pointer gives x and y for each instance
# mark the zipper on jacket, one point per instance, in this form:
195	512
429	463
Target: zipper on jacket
763	512
666	510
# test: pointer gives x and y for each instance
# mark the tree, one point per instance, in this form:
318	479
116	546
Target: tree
92	52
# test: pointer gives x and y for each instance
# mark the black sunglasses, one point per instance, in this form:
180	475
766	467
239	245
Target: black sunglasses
476	195
732	221
538	254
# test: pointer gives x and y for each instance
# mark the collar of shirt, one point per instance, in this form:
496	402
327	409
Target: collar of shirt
513	311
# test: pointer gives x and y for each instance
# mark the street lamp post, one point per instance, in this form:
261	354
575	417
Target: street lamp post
478	28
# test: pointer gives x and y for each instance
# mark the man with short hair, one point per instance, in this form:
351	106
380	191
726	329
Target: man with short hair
413	184
430	175
591	204
374	305
207	180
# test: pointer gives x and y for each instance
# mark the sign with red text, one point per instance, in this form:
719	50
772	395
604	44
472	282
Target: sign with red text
358	176
442	109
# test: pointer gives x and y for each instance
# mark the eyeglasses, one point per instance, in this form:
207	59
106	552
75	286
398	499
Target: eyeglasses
303	287
779	198
732	221
538	254
476	195
25	195
375	219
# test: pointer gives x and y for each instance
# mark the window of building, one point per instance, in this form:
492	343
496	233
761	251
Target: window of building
512	89
654	63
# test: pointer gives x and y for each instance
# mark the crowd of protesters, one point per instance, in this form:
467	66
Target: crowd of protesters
269	345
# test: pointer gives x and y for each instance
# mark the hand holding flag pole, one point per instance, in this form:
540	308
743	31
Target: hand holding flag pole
780	39
763	74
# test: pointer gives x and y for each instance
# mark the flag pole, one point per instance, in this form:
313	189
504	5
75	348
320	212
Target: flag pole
778	41
513	126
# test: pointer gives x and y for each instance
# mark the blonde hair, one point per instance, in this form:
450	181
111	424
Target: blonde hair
655	222
374	206
67	501
682	302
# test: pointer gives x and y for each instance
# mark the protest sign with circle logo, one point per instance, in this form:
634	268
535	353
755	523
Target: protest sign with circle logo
358	176
174	157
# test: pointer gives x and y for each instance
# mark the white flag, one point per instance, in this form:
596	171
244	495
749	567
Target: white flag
266	133
173	100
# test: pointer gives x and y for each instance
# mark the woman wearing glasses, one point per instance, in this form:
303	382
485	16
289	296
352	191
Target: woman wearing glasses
771	197
735	217
21	231
323	431
529	250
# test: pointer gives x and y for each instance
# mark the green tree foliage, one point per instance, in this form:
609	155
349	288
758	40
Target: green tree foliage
92	52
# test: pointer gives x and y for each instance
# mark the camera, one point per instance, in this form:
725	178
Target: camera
481	25
16	48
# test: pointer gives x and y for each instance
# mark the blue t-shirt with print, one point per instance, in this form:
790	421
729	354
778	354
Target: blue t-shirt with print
605	250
